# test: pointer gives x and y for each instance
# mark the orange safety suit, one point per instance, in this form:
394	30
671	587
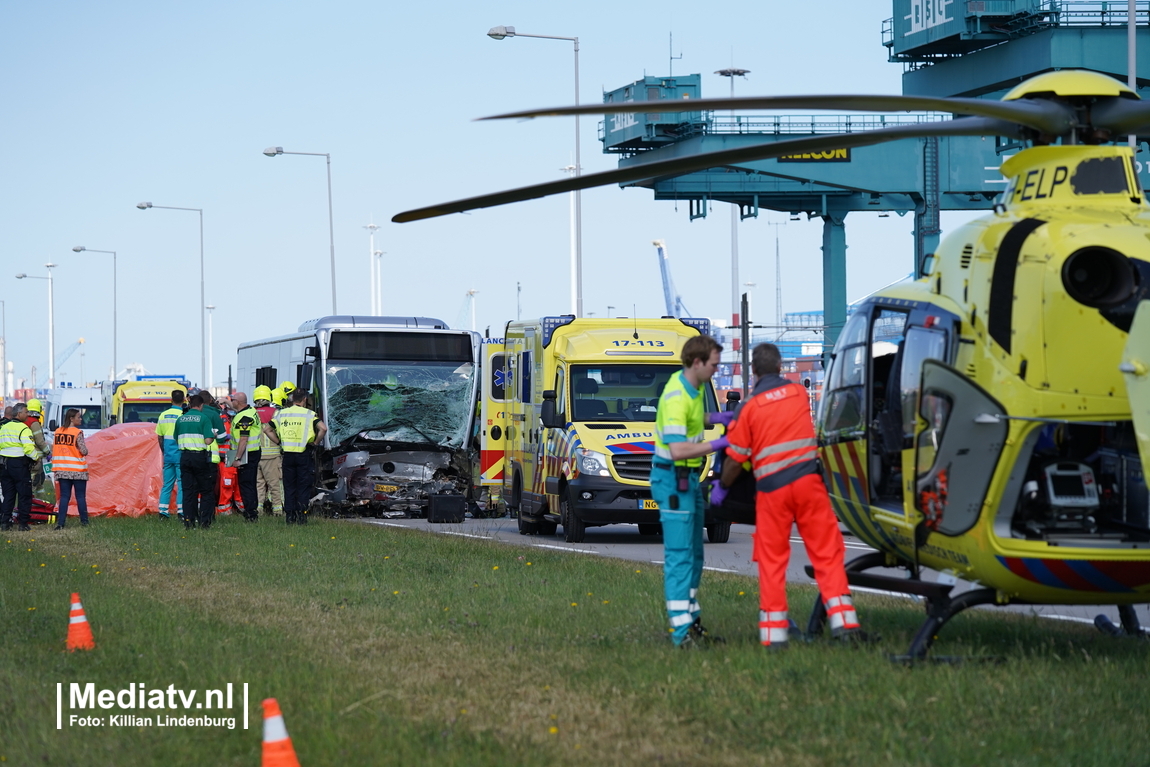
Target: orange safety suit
229	481
773	430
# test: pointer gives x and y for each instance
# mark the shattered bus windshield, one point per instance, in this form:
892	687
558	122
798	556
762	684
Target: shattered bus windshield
422	402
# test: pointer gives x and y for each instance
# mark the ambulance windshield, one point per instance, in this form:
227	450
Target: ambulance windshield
621	392
425	402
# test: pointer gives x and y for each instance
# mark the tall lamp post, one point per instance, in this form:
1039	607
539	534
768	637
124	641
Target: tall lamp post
51	323
732	73
203	347
499	33
115	328
211	366
273	151
3	351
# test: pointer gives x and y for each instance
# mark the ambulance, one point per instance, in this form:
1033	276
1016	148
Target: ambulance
578	399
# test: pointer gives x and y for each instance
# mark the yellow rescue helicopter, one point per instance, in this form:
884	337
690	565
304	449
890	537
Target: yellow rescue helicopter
991	419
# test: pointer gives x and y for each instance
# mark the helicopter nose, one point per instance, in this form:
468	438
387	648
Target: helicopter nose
1099	277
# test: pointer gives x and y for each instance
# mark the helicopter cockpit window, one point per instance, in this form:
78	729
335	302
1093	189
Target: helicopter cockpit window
844	412
921	344
885	440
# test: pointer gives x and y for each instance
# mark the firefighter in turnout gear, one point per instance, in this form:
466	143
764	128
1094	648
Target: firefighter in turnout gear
269	478
774	431
34	420
18	452
679	457
297	430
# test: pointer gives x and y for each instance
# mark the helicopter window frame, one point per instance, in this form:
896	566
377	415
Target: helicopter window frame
919	345
844	405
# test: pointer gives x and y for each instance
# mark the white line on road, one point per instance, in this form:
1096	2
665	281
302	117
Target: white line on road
563	548
466	535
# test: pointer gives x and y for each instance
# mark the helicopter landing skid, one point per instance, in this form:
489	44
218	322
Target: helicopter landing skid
940	606
1130	626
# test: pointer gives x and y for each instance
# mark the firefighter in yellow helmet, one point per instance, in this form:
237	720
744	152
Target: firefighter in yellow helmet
288	387
278	397
34	421
268	480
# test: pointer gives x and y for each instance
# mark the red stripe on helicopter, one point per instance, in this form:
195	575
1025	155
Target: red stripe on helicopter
864	493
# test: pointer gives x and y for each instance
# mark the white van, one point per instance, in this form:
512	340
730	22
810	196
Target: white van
88	400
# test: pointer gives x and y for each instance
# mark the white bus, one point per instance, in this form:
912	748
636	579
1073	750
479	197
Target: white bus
399	397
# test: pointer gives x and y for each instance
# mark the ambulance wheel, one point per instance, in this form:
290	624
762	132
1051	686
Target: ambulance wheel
573	528
527	526
652	529
719	532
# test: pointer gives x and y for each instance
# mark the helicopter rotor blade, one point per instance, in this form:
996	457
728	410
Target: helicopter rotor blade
1121	116
1046	117
963	126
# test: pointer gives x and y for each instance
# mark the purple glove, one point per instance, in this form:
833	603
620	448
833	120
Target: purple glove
724	418
720	444
718	494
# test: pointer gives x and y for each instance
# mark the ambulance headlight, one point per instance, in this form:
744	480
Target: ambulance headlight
591	462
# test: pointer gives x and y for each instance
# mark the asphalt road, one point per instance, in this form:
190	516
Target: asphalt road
624	542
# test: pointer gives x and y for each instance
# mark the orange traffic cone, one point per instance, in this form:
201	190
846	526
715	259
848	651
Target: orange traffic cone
278	751
79	632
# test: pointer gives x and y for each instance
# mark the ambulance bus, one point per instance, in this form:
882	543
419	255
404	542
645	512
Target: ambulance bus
578	399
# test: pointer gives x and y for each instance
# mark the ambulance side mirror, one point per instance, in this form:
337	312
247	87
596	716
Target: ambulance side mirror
547	412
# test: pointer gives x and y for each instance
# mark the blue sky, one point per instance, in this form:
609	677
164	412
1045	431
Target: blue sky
111	104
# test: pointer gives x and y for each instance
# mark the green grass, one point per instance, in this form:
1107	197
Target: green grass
389	646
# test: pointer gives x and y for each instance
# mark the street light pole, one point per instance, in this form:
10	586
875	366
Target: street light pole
203	346
499	33
732	73
273	151
211	367
115	328
51	323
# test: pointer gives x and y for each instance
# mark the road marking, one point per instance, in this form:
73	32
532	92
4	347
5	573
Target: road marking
465	535
719	569
563	548
1071	618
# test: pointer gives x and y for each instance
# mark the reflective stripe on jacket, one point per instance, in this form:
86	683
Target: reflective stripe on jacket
775	432
66	452
295	426
247	423
16	441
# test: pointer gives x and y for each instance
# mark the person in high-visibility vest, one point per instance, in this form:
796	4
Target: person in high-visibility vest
170	450
297	430
196	436
34	419
19	452
247	429
70	466
268	482
773	429
679	457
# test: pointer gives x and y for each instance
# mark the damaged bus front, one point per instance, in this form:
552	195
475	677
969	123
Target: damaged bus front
399	398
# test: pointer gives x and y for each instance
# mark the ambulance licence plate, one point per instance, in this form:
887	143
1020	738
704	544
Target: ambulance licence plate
386	488
648	504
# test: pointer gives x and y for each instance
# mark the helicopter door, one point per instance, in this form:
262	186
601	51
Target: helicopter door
1136	370
957	447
